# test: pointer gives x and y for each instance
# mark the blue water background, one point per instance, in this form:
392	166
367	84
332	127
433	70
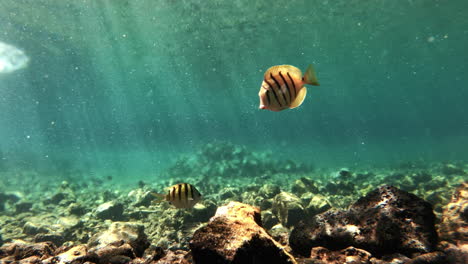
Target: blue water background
125	87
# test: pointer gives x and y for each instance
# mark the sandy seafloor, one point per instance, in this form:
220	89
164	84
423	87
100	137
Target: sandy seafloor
69	210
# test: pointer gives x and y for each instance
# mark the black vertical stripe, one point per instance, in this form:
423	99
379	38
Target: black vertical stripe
287	87
274	93
186	191
294	85
279	87
268	98
179	191
173	191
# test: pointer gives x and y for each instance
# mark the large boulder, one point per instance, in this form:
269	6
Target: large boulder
235	235
387	220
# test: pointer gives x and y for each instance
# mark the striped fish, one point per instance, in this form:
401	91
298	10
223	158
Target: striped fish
181	195
283	87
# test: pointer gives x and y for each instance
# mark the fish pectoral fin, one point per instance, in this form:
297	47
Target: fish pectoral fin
299	98
310	77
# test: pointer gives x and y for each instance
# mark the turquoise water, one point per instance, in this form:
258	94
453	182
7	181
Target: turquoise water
126	87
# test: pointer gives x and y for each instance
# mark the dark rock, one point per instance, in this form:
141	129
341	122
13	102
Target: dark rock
387	220
235	235
177	256
76	209
349	255
304	185
344	173
23	207
429	258
454	225
280	234
288	208
31	228
451	169
21	250
269	219
318	204
269	190
455	254
141	197
339	187
56	239
153	253
228	193
110	210
202	212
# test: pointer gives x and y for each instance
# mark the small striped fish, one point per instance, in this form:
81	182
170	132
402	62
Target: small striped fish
181	195
283	87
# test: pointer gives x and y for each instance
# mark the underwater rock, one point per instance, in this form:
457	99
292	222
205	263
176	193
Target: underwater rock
280	234
304	185
114	253
118	234
153	253
269	219
451	169
387	220
318	204
23	207
229	193
177	256
269	190
348	255
344	173
455	254
76	209
343	187
56	239
288	208
202	212
110	210
75	255
20	250
32	228
235	235
141	197
454	224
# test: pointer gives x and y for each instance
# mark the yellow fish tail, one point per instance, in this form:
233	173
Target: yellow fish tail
158	197
310	77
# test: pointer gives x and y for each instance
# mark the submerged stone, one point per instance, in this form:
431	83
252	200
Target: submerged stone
118	234
387	220
288	208
235	235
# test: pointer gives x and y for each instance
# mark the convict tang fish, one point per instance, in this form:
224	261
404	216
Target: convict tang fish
181	195
283	87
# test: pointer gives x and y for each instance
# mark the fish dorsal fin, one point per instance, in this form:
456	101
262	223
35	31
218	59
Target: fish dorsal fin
299	98
310	77
293	71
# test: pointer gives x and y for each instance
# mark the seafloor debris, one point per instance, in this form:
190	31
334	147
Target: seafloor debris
69	213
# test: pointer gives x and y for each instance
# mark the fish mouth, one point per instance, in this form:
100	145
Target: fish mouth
262	107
